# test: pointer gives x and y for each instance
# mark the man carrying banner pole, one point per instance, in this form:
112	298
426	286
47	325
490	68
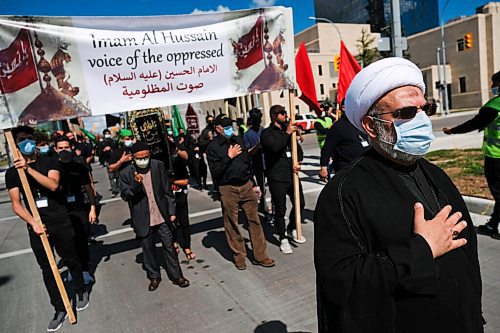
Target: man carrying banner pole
45	214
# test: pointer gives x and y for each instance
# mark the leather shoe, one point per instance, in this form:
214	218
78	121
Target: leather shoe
241	267
182	282
153	285
268	262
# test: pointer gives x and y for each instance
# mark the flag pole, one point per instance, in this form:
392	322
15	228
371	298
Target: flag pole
43	236
296	194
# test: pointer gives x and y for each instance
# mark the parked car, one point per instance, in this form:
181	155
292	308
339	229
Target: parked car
305	122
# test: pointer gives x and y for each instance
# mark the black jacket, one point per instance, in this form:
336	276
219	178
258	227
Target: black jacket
134	193
226	171
373	273
276	145
343	143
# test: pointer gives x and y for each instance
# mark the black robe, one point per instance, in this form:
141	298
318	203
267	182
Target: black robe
373	273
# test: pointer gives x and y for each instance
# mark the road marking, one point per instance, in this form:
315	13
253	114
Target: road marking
127	229
15	253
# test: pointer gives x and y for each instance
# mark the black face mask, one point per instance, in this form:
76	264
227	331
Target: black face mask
65	156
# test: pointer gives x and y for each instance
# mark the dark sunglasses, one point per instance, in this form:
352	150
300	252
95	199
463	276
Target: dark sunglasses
282	113
408	112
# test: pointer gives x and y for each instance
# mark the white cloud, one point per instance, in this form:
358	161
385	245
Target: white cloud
263	3
220	8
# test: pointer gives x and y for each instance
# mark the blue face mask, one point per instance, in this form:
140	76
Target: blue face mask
27	147
44	150
414	137
228	131
495	91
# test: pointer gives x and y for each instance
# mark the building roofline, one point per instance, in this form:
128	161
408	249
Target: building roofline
449	24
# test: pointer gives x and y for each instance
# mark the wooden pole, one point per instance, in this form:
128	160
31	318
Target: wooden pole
45	240
296	194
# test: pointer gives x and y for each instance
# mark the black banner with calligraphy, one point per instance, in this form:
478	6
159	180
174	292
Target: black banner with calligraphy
149	126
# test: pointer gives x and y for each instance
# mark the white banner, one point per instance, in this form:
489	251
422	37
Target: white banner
55	68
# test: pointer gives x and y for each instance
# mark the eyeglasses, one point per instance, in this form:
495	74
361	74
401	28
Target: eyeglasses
408	112
283	112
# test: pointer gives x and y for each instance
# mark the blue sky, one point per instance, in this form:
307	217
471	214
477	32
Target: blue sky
302	9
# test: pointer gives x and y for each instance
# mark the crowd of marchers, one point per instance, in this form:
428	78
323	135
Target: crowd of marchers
394	250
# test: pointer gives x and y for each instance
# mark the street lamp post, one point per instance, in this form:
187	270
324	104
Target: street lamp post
443	49
323	19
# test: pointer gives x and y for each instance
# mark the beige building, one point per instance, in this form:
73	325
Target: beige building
472	55
322	42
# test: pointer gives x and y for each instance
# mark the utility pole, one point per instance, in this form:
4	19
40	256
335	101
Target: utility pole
396	29
440	88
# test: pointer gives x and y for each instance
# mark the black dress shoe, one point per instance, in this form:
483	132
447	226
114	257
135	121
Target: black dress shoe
182	282
153	285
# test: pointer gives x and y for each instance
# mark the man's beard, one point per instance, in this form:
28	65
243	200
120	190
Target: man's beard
386	140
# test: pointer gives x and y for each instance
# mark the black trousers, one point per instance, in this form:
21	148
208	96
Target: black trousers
279	191
114	181
492	174
164	232
80	222
62	237
198	169
261	181
182	232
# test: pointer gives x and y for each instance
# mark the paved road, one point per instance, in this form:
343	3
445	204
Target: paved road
220	299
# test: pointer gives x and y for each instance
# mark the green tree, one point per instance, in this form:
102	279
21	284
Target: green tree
367	53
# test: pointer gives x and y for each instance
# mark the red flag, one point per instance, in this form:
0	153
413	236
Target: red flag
248	49
349	67
305	79
17	66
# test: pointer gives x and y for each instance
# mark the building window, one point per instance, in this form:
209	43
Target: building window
321	89
462	84
320	70
334	85
332	69
460	44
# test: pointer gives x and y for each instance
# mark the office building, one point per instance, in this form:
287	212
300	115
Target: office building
416	15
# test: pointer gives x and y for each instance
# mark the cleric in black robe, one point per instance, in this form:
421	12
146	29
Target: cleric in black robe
395	248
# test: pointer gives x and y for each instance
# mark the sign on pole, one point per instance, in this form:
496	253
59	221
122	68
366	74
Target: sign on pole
54	68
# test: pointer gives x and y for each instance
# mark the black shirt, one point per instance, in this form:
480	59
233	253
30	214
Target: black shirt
74	176
179	166
117	154
105	155
276	144
343	143
52	200
227	171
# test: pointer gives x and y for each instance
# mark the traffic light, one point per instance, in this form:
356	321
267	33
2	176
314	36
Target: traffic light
336	62
468	40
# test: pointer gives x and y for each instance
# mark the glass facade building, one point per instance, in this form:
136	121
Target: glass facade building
416	15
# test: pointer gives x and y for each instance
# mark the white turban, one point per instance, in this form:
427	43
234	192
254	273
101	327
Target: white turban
373	81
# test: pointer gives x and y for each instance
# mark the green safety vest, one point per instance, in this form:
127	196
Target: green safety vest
491	141
327	122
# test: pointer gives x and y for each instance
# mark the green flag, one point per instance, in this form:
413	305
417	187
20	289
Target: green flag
88	134
177	121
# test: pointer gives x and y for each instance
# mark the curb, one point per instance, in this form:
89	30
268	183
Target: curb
479	205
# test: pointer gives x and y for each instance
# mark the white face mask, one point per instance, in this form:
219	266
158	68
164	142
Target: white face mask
142	163
107	136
